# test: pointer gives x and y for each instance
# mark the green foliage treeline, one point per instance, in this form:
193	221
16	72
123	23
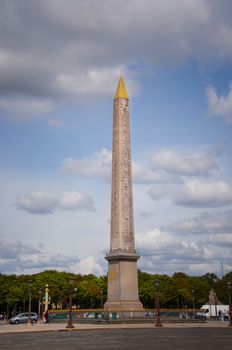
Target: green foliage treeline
177	291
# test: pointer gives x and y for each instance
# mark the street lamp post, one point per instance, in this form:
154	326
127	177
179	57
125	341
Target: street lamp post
29	304
157	297
101	292
46	299
39	304
71	290
193	296
230	304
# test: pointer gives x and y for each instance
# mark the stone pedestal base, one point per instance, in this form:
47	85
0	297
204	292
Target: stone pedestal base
135	305
123	282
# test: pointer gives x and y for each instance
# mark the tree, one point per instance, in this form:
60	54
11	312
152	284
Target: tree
221	288
180	290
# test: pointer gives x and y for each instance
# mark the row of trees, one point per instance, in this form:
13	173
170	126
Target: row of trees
177	291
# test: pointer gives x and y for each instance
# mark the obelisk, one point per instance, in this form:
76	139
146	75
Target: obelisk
122	257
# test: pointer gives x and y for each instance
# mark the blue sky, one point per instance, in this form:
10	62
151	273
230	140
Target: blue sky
60	62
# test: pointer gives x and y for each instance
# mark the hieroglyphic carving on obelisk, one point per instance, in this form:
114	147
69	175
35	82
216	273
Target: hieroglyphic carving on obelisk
122	258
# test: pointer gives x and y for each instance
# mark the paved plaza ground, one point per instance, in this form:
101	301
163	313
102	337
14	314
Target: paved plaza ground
210	335
121	339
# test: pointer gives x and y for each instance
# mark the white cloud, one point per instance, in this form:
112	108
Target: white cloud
171	266
170	29
224	239
88	265
189	165
205	223
164	252
201	268
144	175
220	105
26	108
95	82
159	192
197	193
76	201
97	165
168	246
155	241
47	202
18	257
10	249
38	202
77	49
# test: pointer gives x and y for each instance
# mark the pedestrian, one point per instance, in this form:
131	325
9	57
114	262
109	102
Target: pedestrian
220	317
46	318
225	315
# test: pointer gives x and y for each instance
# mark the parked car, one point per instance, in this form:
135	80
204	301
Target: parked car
23	318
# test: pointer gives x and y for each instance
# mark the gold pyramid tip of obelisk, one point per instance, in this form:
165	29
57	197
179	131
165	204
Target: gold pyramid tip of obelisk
121	90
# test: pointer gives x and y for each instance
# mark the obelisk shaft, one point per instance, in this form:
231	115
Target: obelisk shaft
122	258
122	219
